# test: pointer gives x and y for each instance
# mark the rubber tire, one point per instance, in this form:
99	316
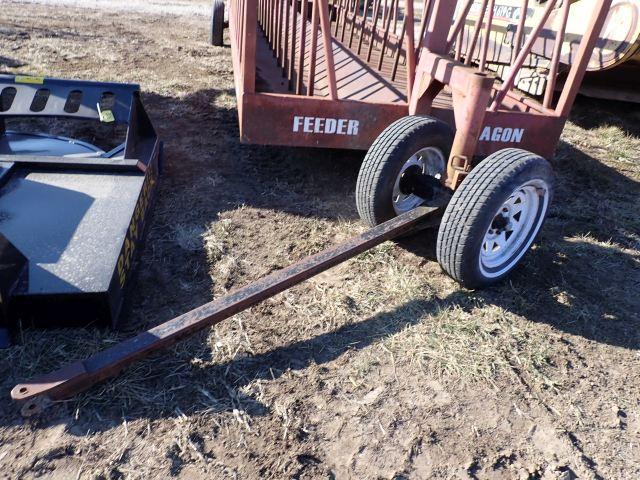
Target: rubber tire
217	23
473	206
385	158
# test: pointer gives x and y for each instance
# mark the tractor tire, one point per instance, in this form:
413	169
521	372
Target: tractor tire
216	32
494	217
413	141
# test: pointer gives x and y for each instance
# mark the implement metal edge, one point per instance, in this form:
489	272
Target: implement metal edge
78	376
91	163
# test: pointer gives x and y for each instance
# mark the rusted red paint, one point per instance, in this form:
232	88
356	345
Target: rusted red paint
373	87
280	111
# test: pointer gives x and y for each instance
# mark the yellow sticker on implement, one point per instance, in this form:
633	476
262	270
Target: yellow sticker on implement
29	79
106	116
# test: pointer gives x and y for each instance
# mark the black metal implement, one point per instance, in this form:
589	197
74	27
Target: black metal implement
74	211
78	376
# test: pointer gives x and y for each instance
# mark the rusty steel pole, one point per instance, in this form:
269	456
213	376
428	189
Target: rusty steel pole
78	376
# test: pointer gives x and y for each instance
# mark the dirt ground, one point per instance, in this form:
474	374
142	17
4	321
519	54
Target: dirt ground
380	368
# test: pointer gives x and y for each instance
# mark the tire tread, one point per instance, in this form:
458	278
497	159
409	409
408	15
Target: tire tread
216	34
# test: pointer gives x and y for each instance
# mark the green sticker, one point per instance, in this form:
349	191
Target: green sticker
106	116
29	79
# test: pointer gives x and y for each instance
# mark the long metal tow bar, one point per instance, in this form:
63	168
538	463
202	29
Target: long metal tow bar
36	394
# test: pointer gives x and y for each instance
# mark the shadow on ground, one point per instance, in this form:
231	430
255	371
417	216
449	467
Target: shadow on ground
8	62
590	113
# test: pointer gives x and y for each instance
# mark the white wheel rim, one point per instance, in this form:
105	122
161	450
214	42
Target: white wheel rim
513	228
431	162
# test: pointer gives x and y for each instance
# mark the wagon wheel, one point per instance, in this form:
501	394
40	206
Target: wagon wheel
494	217
410	145
217	23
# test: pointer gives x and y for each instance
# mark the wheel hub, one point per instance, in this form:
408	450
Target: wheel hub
500	223
410	188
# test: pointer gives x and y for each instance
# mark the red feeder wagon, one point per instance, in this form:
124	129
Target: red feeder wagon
415	82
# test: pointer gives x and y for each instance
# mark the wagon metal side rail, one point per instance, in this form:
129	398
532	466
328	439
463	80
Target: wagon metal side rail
78	376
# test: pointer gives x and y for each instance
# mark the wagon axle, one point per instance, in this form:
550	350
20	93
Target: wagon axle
429	188
499	224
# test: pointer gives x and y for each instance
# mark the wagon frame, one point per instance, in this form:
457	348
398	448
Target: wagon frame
281	74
